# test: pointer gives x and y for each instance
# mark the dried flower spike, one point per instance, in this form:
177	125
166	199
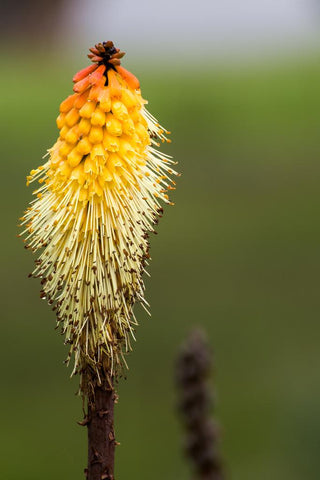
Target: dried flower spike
98	201
195	401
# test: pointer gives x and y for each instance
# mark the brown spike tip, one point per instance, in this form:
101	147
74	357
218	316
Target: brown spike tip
106	53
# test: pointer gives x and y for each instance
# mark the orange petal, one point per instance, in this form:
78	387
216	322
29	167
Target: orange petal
95	90
83	73
82	85
114	84
81	99
104	99
67	104
97	75
131	80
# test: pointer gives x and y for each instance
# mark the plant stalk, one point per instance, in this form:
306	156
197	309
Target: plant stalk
101	438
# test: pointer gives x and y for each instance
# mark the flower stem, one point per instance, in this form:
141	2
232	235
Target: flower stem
101	438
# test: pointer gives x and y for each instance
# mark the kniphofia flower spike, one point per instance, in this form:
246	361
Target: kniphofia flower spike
99	199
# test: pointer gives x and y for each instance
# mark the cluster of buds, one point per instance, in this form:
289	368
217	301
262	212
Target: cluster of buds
202	433
99	198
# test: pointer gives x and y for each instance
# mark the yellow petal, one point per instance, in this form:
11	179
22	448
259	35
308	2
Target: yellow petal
84	126
87	110
96	134
119	110
72	117
111	142
98	117
74	158
113	125
84	146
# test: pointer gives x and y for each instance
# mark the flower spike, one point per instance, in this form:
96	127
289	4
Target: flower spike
99	198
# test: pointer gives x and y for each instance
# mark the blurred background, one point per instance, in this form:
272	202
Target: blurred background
237	83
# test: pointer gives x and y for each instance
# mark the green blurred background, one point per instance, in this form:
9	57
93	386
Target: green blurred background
237	255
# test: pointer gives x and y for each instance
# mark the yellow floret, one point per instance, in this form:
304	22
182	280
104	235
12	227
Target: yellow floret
74	158
84	146
65	149
143	133
72	117
119	110
110	142
125	147
90	166
135	115
65	169
128	98
95	188
78	174
104	99
84	126
96	134
73	135
113	125
83	195
98	151
114	161
128	126
64	130
87	110
106	175
61	120
98	117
